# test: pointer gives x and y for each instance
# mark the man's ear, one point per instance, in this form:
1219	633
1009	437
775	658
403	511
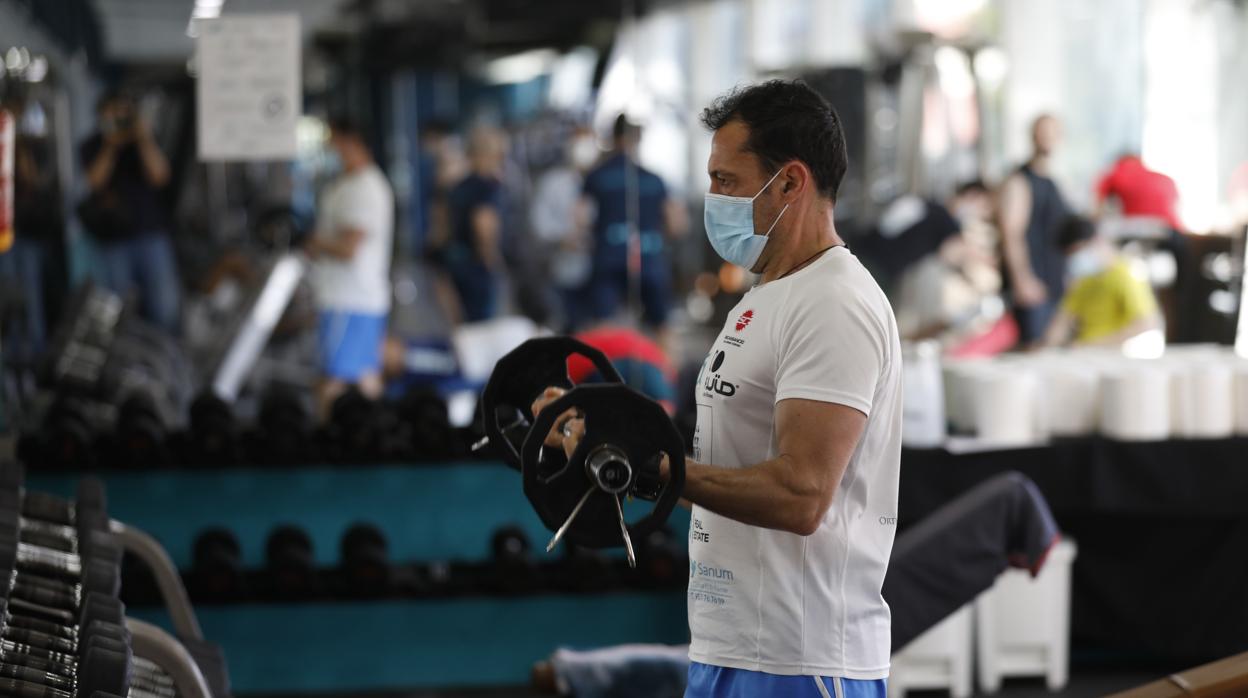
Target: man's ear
795	178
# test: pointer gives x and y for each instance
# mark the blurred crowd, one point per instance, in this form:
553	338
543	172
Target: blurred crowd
582	241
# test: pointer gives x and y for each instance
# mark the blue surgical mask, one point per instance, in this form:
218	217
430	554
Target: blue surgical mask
730	226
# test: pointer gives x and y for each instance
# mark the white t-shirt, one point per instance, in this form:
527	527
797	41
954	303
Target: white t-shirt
767	600
361	200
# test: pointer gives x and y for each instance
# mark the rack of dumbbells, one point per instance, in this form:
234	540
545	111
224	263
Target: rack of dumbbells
444	562
73	434
63	628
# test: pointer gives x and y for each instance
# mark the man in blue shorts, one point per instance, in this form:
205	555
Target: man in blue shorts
797	449
351	269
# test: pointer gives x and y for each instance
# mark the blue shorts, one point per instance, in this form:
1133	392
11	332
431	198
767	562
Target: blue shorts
707	681
350	343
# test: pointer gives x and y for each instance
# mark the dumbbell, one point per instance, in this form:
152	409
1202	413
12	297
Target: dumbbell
587	570
514	571
88	511
139	434
148	679
26	651
213	439
284	427
662	560
290	564
425	413
217	568
365	563
57	596
353	428
65	439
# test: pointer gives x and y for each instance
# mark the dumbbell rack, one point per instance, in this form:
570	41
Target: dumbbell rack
430	512
63	628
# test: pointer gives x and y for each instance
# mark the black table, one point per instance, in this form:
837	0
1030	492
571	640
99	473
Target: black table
1162	530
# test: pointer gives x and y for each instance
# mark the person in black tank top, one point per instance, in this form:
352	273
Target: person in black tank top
1031	209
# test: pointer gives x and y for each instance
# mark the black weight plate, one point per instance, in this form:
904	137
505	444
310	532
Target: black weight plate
520	377
615	415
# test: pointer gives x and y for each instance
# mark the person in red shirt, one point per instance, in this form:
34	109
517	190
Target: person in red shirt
1140	191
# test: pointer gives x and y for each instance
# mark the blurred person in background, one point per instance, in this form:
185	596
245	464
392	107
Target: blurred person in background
37	224
1029	212
607	211
952	293
1106	304
553	219
350	275
642	363
1138	191
126	212
474	257
428	188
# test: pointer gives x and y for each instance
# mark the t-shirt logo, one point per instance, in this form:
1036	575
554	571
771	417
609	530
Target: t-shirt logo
744	319
719	361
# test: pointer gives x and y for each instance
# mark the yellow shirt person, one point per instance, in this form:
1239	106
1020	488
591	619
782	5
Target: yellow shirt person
1105	303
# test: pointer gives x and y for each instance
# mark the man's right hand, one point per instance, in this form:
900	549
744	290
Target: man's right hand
554	439
1029	291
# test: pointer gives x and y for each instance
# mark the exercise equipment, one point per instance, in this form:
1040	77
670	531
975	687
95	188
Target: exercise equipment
216	572
213	438
65	438
365	561
520	378
284	427
663	561
431	437
139	437
290	564
63	630
626	438
513	568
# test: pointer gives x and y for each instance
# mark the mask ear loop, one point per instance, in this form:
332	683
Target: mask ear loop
773	223
760	193
768	184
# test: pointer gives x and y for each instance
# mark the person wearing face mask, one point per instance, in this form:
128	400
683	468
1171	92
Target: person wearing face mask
553	219
1106	304
796	453
350	274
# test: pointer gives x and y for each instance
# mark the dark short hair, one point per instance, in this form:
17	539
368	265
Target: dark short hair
113	95
342	125
1074	230
623	127
974	186
787	121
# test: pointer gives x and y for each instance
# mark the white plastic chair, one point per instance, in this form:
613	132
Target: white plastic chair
939	658
1023	624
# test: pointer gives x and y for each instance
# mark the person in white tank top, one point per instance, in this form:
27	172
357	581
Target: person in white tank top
796	454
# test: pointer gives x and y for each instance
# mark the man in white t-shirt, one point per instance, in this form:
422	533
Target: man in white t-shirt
793	480
351	272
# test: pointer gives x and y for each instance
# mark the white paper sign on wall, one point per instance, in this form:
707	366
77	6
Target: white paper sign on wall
249	89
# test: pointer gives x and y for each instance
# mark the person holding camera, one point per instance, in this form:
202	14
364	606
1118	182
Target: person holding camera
125	211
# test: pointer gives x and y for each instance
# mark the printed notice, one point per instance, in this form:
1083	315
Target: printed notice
249	89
